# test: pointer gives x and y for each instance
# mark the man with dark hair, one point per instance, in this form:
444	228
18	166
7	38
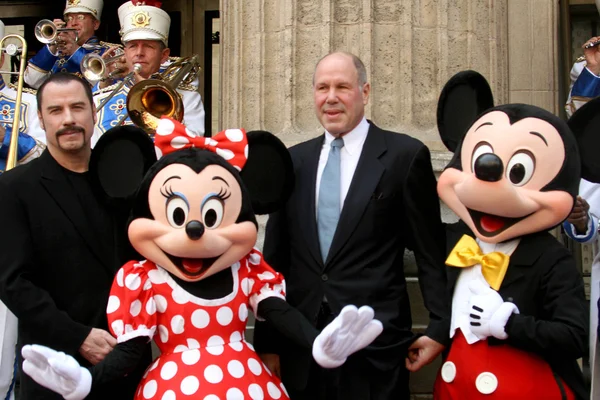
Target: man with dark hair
61	246
362	195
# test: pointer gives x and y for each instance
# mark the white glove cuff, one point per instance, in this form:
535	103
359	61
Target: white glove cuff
84	386
500	318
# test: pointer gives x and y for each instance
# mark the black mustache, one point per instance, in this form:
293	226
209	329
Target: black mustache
70	129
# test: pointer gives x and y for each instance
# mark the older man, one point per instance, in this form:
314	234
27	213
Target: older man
66	56
144	33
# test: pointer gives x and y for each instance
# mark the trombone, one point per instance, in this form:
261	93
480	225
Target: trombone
46	32
12	49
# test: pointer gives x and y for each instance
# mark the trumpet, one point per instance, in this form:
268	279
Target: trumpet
93	66
46	32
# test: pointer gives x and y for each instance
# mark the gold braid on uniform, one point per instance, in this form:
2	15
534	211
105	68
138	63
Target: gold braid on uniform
25	90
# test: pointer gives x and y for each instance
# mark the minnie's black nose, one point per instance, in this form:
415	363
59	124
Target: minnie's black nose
194	230
488	167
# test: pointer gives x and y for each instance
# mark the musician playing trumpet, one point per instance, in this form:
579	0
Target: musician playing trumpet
144	34
64	54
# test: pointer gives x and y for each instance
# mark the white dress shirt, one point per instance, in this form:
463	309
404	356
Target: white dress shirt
349	156
462	293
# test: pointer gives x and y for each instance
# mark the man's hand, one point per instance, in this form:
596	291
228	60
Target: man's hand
579	216
97	345
272	362
422	352
592	56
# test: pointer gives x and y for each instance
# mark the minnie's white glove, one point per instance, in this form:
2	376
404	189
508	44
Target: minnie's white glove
352	330
56	371
489	313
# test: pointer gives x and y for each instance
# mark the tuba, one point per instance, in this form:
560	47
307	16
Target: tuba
12	49
159	97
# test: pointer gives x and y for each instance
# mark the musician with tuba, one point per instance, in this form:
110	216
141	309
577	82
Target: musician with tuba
67	41
144	34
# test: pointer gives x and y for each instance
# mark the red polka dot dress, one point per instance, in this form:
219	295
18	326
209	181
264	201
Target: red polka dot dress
203	352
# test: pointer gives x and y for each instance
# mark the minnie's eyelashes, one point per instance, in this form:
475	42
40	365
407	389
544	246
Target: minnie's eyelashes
168	192
223	194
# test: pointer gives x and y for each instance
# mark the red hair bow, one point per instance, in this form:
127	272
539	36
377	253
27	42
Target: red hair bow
153	3
231	144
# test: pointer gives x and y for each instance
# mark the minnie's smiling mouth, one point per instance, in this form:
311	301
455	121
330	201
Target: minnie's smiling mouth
192	268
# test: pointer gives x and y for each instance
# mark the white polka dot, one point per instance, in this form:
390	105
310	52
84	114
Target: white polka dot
256	392
154	365
158	152
193	344
113	304
169	395
234	135
235	394
273	390
243	313
179	141
163	332
246	151
226	154
237	346
254	366
245	286
210	142
180	296
165	127
214	345
161	303
224	316
118	327
249	345
128	328
120	277
157	276
235	337
190	357
147	285
189	385
254	259
200	319
177	324
150	389
212	397
190	133
235	368
168	370
213	374
237	167
135	308
150	306
283	389
266	276
133	281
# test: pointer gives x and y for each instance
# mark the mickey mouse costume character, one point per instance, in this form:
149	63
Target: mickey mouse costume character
193	219
519	319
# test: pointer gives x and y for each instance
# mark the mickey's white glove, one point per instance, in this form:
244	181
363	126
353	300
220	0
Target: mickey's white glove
352	330
489	313
56	371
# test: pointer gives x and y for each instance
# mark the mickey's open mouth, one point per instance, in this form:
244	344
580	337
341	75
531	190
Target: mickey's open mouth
192	268
491	225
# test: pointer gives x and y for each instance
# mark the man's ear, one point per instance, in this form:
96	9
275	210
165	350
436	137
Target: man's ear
41	120
96	25
464	97
165	55
268	174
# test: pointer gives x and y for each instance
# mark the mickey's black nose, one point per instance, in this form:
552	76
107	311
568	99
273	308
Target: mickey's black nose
194	230
488	167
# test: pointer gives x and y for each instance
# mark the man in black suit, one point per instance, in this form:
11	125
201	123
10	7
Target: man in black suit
387	202
59	246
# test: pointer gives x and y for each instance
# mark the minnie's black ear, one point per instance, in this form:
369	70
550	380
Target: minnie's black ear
464	97
268	173
585	124
119	162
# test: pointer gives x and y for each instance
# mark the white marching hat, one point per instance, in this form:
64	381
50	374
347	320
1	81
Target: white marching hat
93	7
1	29
143	22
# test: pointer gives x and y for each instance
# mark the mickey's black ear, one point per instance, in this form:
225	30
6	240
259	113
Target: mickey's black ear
464	97
585	124
119	162
268	173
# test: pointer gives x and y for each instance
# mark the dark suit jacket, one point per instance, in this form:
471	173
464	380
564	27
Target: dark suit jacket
54	274
391	204
543	281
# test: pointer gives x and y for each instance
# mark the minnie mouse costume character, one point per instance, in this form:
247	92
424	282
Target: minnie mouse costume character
193	219
519	319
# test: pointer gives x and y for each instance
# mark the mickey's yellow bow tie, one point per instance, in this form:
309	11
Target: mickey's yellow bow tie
467	253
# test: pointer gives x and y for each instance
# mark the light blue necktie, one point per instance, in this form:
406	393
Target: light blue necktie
328	211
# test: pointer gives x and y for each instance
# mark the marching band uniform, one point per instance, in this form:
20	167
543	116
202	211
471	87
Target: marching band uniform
144	22
45	62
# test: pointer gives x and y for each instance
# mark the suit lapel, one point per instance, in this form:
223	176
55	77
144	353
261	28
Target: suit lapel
366	177
57	186
307	186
